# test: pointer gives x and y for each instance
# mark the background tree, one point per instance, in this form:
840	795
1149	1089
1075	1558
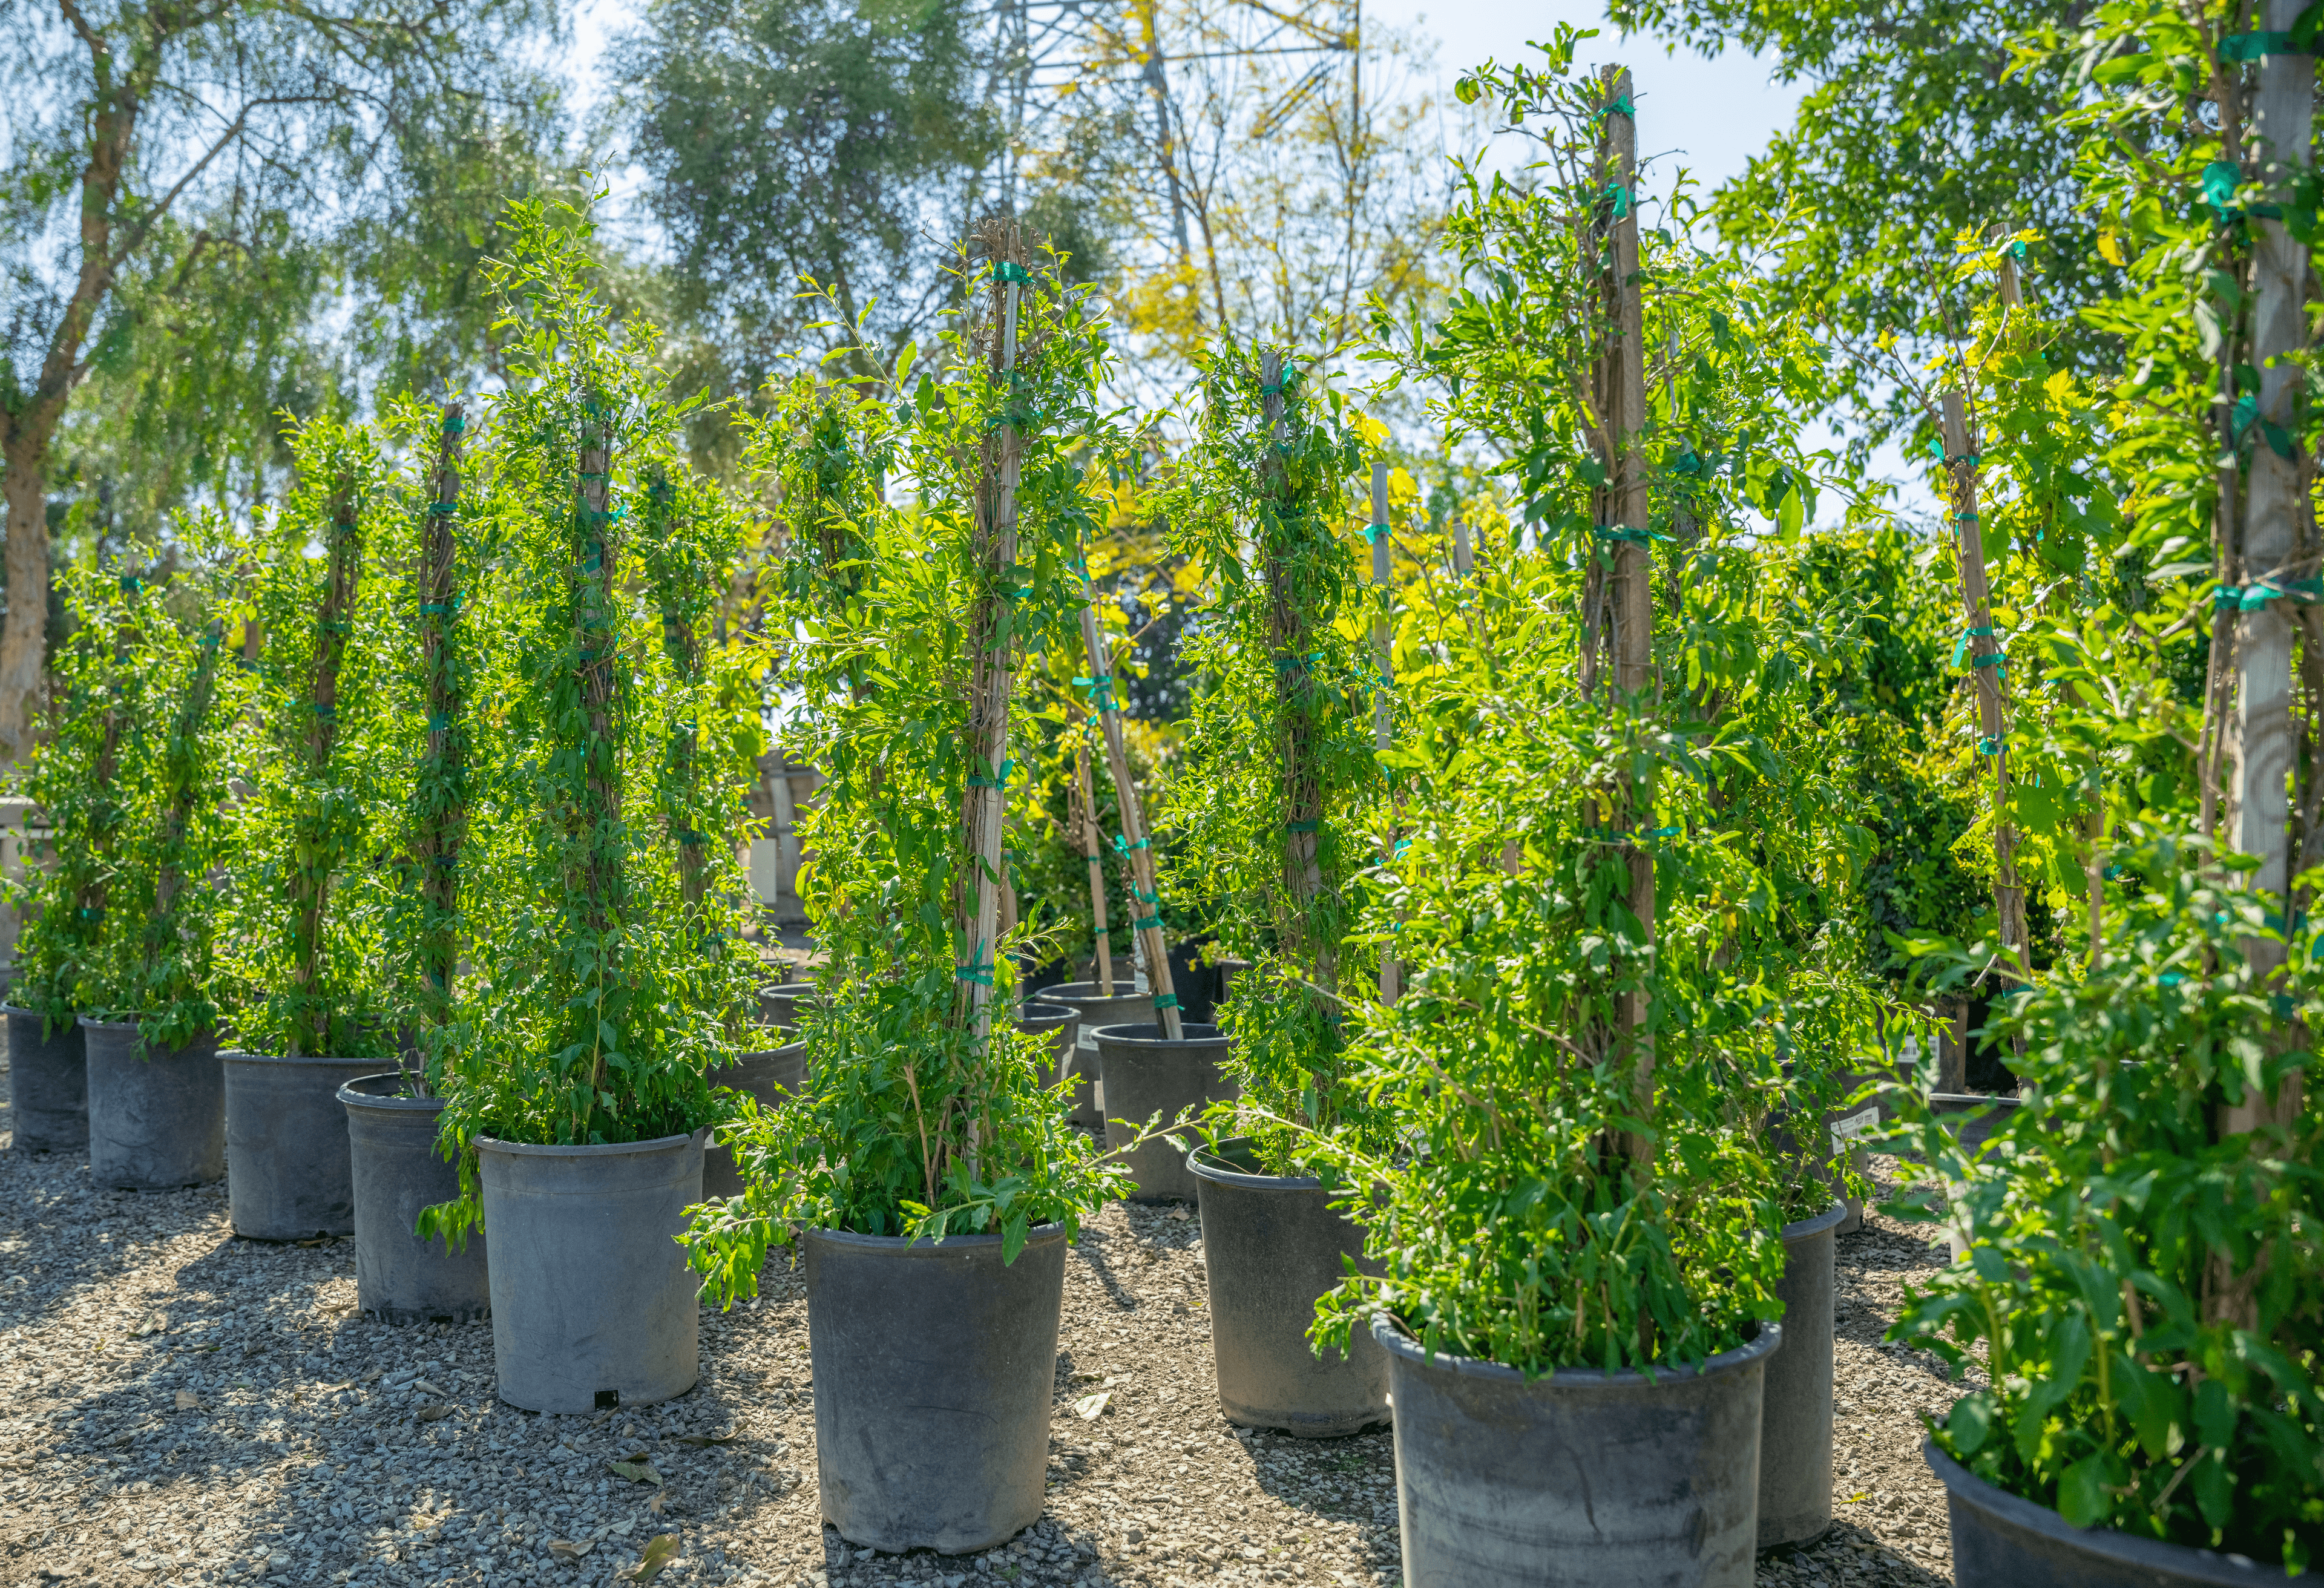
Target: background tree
182	181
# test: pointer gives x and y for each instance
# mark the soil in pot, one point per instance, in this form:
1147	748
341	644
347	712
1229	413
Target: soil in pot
592	1304
1144	1073
287	1176
156	1116
2001	1541
771	1077
48	1083
1125	1007
1614	1480
1272	1244
934	1367
395	1171
1796	1417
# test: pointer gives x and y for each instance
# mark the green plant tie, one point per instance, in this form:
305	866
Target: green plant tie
1988	746
1993	661
1667	832
131	584
2221	178
1937	451
1145	922
439	724
1302	826
980	975
1374	531
455	425
1620	195
1143	897
1166	1001
597	517
1962	517
332	625
321	710
1618	106
1283	384
206	641
1000	781
2170	979
1629	536
688	839
444	509
1005	270
2252	46
1961	646
1123	845
1284	664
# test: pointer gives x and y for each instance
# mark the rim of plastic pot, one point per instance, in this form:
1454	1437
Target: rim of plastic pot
8	1008
918	1245
1196	1035
1393	1339
1816	1224
94	1024
786	989
1959	1102
1205	1165
2180	1560
1087	992
586	1149
243	1055
353	1092
786	1049
1035	1025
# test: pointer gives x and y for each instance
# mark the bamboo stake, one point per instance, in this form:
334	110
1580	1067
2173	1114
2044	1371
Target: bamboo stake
1391	974
180	792
1288	637
1146	928
1983	652
105	812
1633	574
985	801
1093	849
443	821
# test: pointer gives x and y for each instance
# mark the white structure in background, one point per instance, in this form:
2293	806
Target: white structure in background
775	859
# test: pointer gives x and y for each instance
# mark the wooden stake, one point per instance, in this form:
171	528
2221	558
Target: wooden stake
442	820
986	802
309	890
1147	927
1632	593
1093	849
1391	974
2276	515
1288	638
1982	651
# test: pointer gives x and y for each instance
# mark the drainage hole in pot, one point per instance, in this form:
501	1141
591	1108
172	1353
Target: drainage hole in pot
608	1399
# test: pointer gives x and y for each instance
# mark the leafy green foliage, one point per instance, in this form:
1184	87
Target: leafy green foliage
2145	1289
912	1124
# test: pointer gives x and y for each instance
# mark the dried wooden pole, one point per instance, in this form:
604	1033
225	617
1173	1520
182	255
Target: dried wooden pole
1631	593
992	644
1982	651
1138	847
2279	567
1391	974
443	816
1292	645
1093	849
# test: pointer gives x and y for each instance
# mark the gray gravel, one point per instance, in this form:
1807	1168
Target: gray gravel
180	1407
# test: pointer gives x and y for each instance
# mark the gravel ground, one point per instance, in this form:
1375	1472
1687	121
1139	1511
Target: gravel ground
181	1407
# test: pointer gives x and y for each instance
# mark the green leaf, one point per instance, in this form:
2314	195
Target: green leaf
1970	1422
2082	1497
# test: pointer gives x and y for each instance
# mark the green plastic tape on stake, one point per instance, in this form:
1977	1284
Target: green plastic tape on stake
2221	178
2248	47
444	509
1372	533
455	425
1302	826
1166	1001
1289	379
1988	746
1620	195
1146	922
1961	646
1618	106
981	975
1005	270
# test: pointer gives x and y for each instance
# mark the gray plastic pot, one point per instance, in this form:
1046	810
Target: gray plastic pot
156	1118
1272	1244
287	1172
1973	1115
592	1304
396	1171
1144	1073
1061	1024
1611	1480
1796	1417
1125	1007
47	1084
770	1076
935	1368
2001	1541
779	1004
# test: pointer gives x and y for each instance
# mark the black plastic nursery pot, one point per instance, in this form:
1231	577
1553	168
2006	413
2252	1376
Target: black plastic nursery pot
156	1116
48	1083
1142	1073
1972	1116
769	1075
1272	1244
1124	1007
779	1004
287	1174
592	1304
1579	1478
1061	1024
394	1171
2001	1541
1795	1415
935	1369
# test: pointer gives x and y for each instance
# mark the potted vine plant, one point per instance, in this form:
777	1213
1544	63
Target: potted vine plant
392	1117
308	924
81	782
1274	804
576	1069
929	1175
156	1090
2139	1276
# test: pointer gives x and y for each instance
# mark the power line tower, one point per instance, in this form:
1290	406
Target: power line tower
1048	50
